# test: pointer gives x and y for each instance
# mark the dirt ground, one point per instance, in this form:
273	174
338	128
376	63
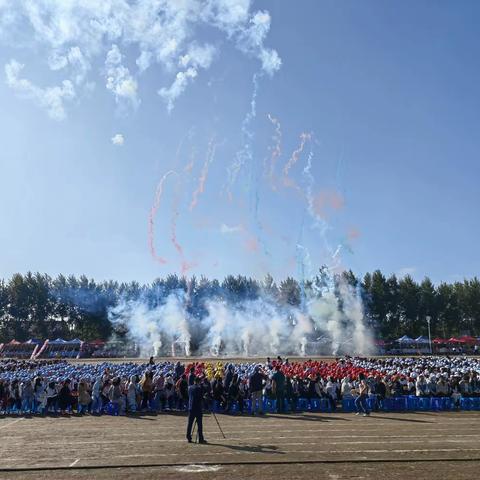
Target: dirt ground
301	446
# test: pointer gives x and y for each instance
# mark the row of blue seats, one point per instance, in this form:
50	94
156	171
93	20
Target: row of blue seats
397	404
412	403
270	406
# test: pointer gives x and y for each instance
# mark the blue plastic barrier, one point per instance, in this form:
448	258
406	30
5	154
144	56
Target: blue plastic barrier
325	405
269	405
348	405
302	404
466	403
424	403
446	403
112	409
314	405
371	403
401	404
389	404
412	403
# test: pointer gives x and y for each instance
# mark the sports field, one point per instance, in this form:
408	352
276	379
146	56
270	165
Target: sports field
303	446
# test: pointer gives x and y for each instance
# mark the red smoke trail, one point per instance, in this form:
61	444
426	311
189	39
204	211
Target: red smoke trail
276	151
185	266
189	166
156	202
204	173
294	159
151	218
173	235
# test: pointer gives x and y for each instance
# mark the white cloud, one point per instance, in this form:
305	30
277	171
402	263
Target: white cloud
404	271
50	98
118	139
226	230
73	34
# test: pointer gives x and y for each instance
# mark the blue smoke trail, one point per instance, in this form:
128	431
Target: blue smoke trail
244	155
318	223
303	256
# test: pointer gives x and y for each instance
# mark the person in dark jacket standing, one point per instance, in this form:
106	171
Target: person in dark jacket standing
228	378
195	410
255	386
191	376
278	380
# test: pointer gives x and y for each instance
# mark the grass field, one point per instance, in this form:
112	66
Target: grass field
303	446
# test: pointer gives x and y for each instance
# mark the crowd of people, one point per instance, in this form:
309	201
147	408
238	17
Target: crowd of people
51	387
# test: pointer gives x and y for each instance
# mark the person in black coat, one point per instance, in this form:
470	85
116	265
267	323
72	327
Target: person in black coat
65	398
195	410
191	376
228	378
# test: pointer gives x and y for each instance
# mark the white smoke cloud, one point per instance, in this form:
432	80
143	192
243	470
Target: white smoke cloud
74	34
50	98
118	139
330	323
119	80
157	328
177	87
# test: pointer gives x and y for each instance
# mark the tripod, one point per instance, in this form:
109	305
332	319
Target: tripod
218	423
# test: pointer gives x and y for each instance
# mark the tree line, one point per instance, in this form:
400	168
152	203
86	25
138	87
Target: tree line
36	305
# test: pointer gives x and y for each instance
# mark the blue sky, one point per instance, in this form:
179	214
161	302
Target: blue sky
390	91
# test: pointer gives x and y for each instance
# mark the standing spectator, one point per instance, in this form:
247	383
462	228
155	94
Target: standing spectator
84	398
331	393
39	396
132	394
191	376
116	397
27	396
381	392
421	387
218	391
15	402
207	394
278	388
228	378
159	391
97	403
442	387
233	392
255	385
182	392
65	399
432	385
169	392
147	387
52	396
195	410
361	400
179	370
346	387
